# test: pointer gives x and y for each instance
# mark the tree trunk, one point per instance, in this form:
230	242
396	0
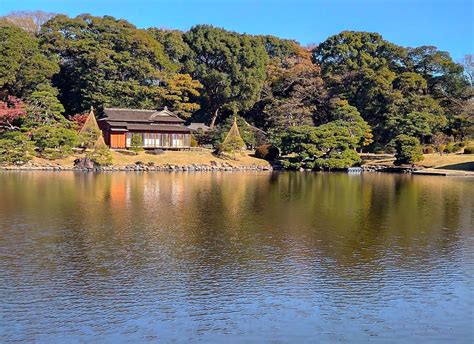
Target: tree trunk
214	117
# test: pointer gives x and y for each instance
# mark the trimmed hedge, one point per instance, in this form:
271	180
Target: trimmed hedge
428	150
267	152
469	150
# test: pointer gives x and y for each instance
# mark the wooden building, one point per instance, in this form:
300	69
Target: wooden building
159	129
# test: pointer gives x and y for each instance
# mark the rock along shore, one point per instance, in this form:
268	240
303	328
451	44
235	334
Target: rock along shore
214	166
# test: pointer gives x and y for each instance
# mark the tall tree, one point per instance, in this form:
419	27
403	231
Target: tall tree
179	93
361	67
229	65
444	76
293	93
351	51
174	46
106	62
468	64
348	116
44	107
394	88
23	64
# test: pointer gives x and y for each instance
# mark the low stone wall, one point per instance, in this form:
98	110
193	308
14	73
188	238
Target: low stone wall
143	168
390	168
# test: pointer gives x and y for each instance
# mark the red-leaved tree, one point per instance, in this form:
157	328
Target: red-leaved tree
11	111
79	119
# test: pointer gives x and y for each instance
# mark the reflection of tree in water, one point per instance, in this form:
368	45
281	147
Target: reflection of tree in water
209	225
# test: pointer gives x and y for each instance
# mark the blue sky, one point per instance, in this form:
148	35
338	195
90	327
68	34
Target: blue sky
447	24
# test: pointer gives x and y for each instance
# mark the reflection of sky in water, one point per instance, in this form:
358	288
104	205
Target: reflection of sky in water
241	257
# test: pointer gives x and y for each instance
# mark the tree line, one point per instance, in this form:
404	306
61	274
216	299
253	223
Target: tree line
355	90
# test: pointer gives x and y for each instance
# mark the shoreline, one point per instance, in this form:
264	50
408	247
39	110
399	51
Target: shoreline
143	168
223	167
205	161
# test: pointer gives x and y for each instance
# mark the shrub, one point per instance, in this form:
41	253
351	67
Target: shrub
55	142
267	152
234	125
407	149
469	150
428	150
88	138
338	160
450	148
139	163
15	148
136	143
206	137
101	156
55	153
233	141
231	145
155	151
125	152
150	164
194	142
327	146
439	141
441	149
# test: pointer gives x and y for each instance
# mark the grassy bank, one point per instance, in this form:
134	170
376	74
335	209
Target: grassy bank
452	162
181	158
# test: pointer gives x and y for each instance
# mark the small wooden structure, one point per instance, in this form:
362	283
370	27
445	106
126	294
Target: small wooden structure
158	129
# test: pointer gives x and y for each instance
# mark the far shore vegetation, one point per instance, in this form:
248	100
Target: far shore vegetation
317	107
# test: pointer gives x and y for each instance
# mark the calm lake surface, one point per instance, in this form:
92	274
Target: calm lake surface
235	257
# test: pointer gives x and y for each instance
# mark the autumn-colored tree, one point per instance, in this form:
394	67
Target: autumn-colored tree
178	92
11	112
30	21
439	141
468	64
293	93
79	120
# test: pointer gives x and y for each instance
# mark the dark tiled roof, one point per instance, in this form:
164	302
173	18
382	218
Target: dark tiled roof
196	126
138	115
117	124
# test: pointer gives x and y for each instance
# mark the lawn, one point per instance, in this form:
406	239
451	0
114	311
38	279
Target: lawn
204	157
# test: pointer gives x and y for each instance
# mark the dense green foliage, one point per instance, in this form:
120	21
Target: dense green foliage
55	142
23	63
229	65
15	148
267	152
354	91
101	156
407	149
327	146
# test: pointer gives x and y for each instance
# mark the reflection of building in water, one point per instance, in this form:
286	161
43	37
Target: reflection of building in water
177	189
151	189
119	193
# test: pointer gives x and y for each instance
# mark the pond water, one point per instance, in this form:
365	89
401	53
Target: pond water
238	257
